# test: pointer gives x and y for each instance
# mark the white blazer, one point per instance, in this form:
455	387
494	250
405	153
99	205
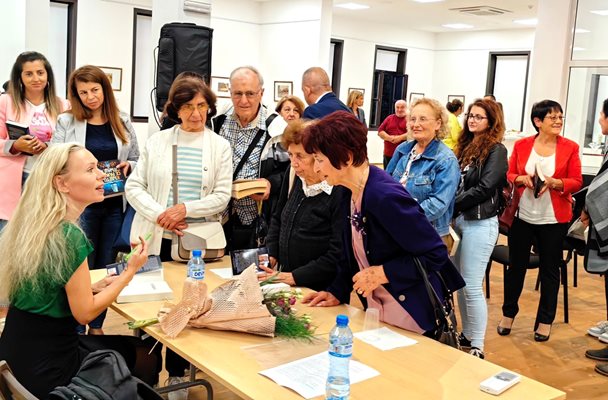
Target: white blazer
148	187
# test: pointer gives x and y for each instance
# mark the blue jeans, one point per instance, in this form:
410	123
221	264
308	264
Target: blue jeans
477	240
101	223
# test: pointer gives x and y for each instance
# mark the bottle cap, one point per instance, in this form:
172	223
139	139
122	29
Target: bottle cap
342	320
196	253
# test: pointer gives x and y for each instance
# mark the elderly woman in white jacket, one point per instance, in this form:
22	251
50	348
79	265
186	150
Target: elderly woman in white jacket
204	176
204	169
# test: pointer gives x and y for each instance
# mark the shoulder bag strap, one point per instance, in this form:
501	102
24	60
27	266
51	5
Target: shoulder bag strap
433	297
252	145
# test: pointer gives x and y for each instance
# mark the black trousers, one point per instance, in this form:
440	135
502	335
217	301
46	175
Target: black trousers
385	160
549	241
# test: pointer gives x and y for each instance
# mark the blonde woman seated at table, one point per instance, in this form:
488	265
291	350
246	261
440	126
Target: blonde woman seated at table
304	239
47	278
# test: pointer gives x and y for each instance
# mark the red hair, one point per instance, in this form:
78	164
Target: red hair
339	136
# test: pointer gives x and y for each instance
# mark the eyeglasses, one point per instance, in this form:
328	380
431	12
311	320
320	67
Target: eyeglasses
422	120
475	117
189	108
249	94
555	118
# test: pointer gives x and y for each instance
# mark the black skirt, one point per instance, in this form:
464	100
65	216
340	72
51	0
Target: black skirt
41	351
45	352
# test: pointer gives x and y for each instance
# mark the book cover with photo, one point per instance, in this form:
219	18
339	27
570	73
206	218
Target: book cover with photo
114	182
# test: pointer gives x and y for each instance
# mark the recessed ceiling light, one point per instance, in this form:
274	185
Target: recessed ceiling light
457	26
578	48
600	12
581	30
427	1
352	6
528	21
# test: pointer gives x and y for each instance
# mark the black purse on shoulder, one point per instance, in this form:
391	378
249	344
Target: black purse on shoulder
445	319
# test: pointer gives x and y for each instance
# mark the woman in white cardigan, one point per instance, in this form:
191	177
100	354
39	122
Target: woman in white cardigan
204	175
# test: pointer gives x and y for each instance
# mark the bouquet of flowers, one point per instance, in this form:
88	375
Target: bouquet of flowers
237	305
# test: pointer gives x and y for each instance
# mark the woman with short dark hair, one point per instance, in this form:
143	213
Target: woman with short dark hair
387	229
204	177
546	170
455	107
304	238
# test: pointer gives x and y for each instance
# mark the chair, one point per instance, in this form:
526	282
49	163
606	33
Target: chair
500	254
10	388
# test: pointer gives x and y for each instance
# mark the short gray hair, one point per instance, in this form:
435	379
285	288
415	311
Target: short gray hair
248	68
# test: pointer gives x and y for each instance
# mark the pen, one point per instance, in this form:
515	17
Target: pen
146	238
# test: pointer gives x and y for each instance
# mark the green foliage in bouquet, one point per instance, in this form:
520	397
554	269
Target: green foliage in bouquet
288	323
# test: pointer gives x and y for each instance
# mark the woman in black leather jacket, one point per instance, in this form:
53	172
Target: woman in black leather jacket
483	162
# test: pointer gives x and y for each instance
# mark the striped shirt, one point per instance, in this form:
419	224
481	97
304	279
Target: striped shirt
189	170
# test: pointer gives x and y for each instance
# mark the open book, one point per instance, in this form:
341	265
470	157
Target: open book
148	284
246	187
538	179
114	182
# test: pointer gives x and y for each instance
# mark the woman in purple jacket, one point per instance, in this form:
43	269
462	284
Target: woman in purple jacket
387	230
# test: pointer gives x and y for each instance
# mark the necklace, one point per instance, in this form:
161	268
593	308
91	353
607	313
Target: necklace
357	219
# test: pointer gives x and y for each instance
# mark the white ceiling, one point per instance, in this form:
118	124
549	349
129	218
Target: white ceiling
430	16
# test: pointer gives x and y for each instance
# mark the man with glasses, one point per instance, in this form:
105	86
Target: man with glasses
318	95
256	153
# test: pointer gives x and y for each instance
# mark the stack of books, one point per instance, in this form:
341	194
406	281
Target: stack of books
246	187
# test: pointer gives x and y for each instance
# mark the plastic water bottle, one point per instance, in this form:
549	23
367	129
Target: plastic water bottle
340	352
196	265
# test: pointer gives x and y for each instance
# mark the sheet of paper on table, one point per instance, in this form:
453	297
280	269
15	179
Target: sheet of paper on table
384	338
224	273
307	376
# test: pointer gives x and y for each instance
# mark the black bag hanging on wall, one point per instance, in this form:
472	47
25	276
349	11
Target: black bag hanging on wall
181	47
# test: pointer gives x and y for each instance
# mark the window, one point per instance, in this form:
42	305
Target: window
142	65
335	63
389	82
62	41
508	82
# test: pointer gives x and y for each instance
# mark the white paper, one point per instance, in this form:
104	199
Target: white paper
384	338
225	273
307	376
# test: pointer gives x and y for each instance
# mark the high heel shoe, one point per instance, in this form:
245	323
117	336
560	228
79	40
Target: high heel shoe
539	337
502	331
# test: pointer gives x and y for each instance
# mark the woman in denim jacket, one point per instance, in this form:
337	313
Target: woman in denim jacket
426	167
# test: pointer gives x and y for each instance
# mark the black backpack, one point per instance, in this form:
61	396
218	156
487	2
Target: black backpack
104	375
182	46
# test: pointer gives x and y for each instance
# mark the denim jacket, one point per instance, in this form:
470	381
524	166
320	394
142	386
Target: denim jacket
432	180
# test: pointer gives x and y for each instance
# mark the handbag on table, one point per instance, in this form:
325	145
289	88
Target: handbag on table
207	236
445	318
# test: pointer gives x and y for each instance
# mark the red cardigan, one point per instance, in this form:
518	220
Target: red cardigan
567	168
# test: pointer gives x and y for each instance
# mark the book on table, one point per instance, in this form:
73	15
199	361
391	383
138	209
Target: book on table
538	180
148	284
114	182
246	187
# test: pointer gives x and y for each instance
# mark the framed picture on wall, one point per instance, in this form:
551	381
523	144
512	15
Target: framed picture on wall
351	89
415	96
115	77
454	97
220	86
282	89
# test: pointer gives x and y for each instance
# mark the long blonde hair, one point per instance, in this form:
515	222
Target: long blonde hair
33	242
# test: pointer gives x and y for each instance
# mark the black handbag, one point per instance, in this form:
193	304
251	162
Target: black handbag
445	319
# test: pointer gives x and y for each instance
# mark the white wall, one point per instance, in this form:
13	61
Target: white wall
12	41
